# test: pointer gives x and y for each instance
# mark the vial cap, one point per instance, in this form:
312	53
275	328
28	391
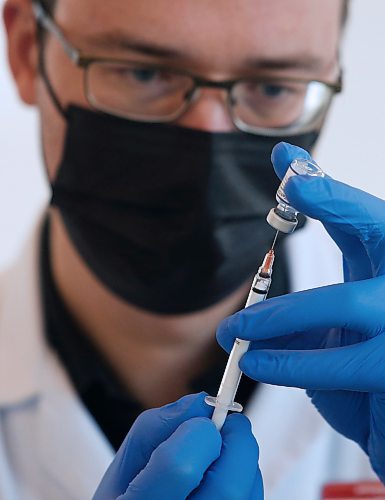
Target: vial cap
302	166
279	223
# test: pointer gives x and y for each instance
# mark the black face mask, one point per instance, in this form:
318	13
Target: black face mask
170	219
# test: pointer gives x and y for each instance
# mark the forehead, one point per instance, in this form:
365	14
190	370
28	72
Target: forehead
219	32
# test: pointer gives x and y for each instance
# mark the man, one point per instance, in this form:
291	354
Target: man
154	229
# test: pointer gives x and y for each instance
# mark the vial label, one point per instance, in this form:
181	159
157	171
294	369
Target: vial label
281	196
298	166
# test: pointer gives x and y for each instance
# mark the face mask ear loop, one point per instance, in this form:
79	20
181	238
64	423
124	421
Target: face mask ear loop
47	82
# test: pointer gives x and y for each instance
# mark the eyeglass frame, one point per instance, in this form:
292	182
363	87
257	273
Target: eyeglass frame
83	61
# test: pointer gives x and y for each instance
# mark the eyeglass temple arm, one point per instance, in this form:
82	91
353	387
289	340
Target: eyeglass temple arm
43	18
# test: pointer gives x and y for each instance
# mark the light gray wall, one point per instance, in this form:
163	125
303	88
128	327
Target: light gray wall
351	145
350	148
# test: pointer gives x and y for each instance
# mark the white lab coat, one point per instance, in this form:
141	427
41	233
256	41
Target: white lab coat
51	448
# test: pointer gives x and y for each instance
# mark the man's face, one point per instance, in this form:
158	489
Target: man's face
215	40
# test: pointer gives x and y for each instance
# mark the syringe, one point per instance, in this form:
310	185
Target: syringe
224	401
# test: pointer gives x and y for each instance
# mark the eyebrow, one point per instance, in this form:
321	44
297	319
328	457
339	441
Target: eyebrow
118	41
125	42
303	61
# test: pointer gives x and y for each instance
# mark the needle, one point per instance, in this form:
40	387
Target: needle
275	240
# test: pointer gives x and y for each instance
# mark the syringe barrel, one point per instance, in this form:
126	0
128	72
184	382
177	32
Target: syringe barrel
259	289
225	399
232	375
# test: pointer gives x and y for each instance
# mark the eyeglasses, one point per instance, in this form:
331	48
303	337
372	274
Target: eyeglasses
156	93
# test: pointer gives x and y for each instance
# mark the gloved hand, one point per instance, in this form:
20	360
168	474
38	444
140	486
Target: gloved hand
175	452
330	340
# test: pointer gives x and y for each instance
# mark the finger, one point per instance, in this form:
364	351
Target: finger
283	154
351	306
233	474
357	367
315	339
348	210
177	466
150	429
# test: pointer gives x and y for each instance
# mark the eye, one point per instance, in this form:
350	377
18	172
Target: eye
269	92
145	75
272	90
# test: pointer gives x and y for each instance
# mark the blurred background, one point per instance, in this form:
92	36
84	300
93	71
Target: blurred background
350	147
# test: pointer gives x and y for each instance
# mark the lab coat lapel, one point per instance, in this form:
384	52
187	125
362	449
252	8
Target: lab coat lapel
71	452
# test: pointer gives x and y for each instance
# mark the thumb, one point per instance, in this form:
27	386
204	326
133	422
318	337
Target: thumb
178	465
150	429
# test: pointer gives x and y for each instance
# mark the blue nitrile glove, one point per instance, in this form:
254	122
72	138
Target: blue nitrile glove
176	452
330	340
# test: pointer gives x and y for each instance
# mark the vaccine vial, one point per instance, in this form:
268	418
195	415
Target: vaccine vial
284	217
